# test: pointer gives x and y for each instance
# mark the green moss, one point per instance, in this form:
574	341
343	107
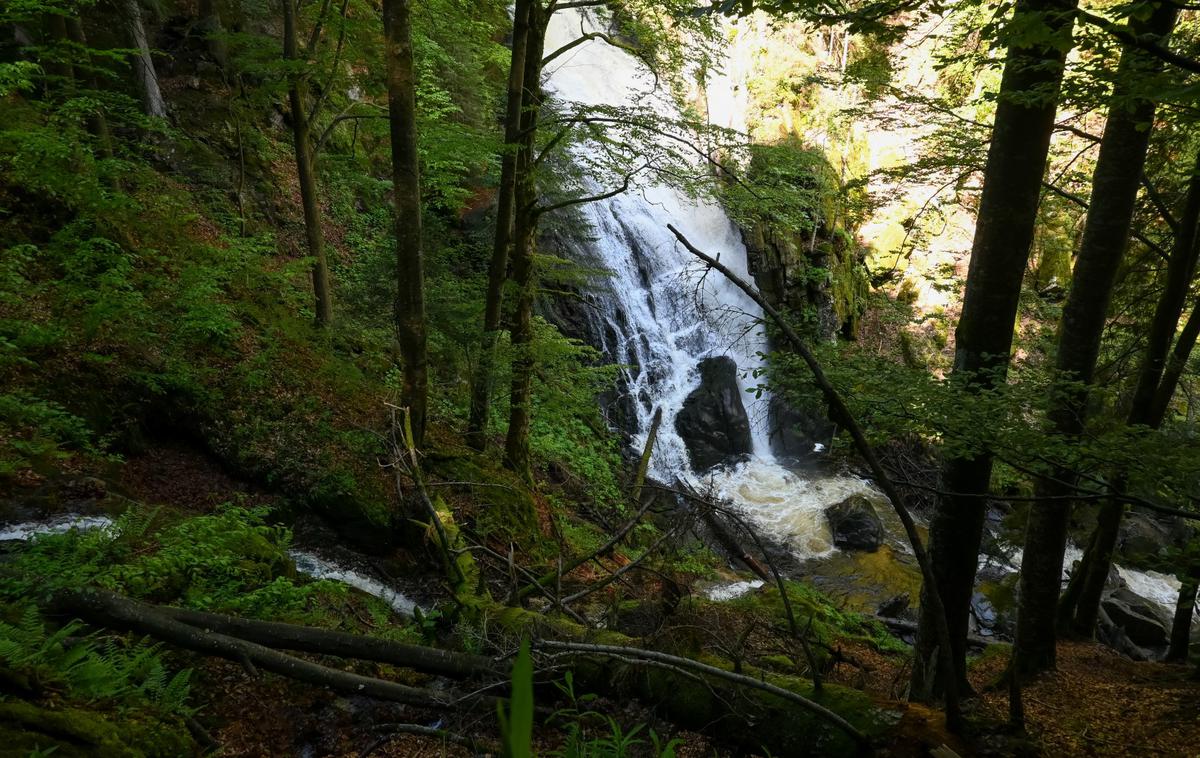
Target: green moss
26	727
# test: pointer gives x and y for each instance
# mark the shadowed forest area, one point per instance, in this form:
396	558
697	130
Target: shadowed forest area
599	378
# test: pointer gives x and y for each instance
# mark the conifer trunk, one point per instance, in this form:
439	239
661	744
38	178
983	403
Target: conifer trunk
143	63
481	383
1185	610
1003	233
1115	183
406	194
516	441
1081	604
305	170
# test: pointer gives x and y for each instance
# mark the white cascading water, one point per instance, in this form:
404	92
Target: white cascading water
663	318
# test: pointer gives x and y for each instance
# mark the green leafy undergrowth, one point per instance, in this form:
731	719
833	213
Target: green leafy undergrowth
231	560
76	694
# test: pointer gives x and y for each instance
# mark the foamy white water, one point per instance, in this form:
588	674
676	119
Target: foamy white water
313	565
55	525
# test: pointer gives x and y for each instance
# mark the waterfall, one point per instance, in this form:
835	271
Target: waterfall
658	315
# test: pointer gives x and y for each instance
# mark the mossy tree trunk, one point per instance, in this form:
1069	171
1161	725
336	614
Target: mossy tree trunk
516	441
1115	183
305	168
1004	231
481	383
406	195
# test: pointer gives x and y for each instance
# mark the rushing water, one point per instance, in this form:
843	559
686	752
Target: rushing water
661	317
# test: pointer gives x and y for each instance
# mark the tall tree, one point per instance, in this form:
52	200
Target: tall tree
516	102
525	212
302	145
1080	606
1115	183
409	311
1012	180
143	64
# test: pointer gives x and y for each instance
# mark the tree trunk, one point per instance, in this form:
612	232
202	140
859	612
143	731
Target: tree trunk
1081	604
516	441
1115	183
305	170
143	64
406	194
97	123
481	384
209	26
1003	233
1185	610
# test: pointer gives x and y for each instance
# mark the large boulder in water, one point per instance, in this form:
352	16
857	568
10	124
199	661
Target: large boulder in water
855	524
713	422
795	432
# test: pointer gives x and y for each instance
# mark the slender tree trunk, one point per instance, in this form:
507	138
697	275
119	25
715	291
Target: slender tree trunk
305	170
1115	183
209	25
481	384
406	194
1185	610
1003	233
1176	364
143	63
516	441
97	123
1081	603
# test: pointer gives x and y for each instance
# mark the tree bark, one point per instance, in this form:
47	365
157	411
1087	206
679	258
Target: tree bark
1185	611
516	441
209	25
305	170
1115	183
143	64
1081	604
481	384
1008	205
406	194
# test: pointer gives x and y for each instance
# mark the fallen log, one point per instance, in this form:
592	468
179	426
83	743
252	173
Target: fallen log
307	639
687	664
112	610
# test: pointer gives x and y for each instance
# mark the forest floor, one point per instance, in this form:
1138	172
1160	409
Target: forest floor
1099	703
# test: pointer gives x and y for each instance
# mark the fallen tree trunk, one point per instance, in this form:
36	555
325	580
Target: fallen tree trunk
687	664
112	610
307	639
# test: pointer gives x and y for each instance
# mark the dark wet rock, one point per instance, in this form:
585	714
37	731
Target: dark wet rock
1134	625
795	432
894	607
988	620
713	421
855	524
1142	536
